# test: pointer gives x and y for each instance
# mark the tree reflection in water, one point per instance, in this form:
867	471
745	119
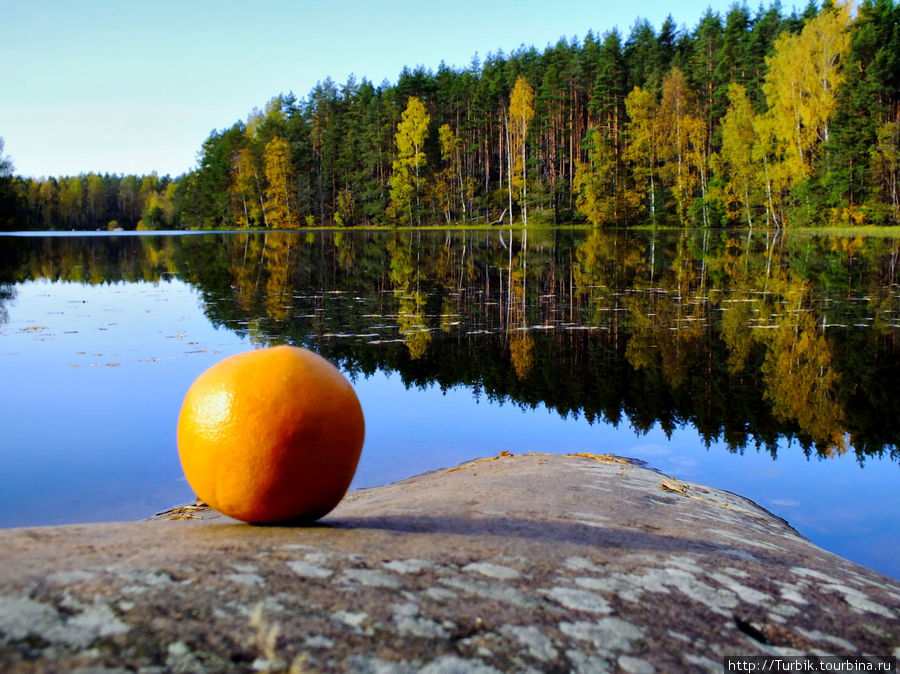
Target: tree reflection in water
749	339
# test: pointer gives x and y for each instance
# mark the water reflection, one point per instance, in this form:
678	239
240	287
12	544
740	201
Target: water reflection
750	339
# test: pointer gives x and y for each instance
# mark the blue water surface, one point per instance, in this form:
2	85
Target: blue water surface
95	374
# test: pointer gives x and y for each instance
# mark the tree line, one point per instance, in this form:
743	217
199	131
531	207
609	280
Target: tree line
90	201
752	118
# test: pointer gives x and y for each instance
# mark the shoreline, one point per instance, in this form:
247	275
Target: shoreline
549	562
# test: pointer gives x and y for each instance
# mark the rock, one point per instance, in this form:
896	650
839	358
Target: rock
529	563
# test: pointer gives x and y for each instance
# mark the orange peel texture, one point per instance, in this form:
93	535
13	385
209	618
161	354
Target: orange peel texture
271	435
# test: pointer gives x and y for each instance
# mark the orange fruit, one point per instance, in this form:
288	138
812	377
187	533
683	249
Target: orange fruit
270	435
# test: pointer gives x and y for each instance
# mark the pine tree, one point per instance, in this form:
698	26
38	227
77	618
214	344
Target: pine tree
868	99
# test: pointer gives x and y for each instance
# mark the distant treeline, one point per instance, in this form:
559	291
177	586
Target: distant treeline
90	201
762	119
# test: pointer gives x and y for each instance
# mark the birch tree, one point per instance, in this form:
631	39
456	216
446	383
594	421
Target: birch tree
406	179
280	191
804	73
682	146
642	147
735	159
599	192
521	112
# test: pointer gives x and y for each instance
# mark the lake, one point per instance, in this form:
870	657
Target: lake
758	362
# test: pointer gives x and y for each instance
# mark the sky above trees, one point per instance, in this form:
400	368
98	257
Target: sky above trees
109	87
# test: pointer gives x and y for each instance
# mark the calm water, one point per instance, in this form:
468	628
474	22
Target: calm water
765	365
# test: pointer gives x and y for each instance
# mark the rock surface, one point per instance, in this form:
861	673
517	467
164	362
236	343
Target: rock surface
532	563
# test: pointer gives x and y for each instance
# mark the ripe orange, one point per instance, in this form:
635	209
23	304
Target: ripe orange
271	435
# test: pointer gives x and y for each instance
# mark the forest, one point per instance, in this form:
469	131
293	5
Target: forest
754	119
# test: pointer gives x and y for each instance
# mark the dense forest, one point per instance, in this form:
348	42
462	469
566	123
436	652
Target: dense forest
755	118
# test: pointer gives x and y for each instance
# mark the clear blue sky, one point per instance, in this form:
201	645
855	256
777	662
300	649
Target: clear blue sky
135	87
